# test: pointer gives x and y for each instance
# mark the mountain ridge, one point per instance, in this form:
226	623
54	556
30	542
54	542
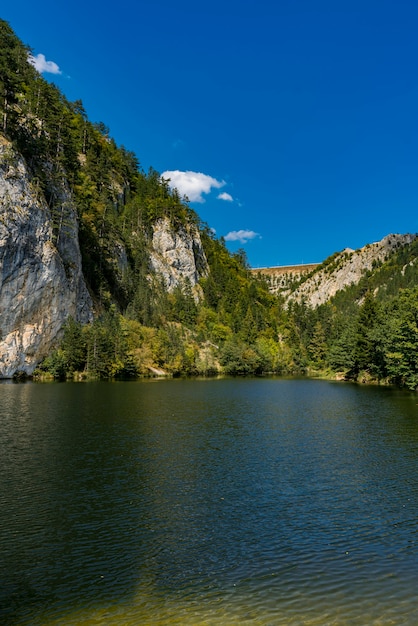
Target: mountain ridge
318	283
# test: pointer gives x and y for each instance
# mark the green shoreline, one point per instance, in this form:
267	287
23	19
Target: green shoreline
364	378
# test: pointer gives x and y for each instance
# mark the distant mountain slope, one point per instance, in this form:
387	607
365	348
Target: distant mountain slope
316	285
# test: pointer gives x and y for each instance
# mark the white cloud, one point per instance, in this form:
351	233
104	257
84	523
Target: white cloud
42	65
178	144
192	184
225	196
241	235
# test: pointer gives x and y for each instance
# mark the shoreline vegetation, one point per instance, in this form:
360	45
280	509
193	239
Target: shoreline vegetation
363	377
377	343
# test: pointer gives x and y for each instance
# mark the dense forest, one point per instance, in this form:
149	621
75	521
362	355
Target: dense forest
367	332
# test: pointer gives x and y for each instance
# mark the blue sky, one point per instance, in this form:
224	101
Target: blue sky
292	125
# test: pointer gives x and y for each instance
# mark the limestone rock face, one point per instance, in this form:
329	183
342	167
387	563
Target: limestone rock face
41	280
178	255
346	268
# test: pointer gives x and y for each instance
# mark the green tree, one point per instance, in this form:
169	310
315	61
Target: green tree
14	71
402	343
318	345
238	358
268	351
366	350
74	346
341	353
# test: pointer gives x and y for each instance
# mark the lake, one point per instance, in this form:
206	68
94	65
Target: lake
216	502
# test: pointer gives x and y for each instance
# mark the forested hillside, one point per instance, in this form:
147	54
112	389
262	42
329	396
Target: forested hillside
221	320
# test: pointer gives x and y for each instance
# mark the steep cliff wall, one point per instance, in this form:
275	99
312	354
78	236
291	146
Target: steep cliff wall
178	255
41	280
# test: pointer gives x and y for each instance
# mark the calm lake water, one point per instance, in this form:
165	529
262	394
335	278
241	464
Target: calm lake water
216	502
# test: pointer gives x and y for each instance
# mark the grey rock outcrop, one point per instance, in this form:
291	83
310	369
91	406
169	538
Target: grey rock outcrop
344	269
178	255
41	280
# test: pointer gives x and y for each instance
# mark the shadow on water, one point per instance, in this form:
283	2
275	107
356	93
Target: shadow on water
91	476
151	496
72	505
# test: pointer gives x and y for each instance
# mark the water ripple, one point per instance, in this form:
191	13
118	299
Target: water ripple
220	502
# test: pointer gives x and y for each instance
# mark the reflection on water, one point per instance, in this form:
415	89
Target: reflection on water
208	502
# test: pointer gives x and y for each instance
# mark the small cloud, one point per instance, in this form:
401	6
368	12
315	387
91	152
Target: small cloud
42	65
192	184
225	196
242	236
178	144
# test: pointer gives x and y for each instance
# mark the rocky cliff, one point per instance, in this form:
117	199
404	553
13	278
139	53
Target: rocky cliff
41	280
318	284
178	255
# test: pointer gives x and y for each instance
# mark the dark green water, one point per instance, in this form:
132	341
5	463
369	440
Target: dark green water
208	502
